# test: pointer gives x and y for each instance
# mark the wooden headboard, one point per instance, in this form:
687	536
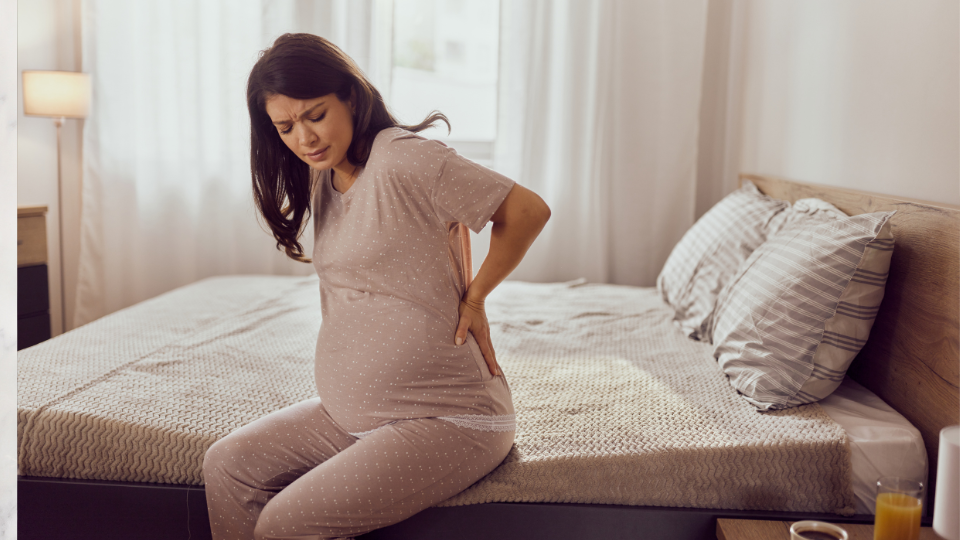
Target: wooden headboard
912	359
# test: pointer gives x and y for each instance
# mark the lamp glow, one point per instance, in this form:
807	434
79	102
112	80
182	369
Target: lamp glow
59	94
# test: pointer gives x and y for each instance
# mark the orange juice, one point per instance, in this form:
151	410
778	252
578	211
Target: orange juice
898	517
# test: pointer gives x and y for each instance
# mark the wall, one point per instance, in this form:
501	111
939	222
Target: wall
856	93
48	38
8	268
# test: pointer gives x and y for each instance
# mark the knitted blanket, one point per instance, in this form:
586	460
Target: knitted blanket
614	405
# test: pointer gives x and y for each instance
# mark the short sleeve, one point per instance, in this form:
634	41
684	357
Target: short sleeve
467	192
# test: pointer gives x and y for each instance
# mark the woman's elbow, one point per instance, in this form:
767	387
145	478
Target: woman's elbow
542	212
524	208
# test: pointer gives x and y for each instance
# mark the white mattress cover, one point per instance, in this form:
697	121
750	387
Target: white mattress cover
882	441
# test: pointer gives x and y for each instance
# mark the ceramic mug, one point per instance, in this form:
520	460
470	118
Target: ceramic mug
816	530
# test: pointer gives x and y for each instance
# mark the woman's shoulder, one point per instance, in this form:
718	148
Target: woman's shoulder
396	142
408	158
393	134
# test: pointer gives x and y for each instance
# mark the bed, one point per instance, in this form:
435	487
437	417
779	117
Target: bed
626	428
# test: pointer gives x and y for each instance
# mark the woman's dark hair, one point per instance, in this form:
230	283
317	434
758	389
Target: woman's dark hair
304	66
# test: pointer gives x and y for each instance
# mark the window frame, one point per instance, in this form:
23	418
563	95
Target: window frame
478	150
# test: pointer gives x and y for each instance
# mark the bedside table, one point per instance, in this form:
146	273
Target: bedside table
754	529
33	296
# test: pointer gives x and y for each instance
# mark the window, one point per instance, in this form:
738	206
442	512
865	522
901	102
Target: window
443	56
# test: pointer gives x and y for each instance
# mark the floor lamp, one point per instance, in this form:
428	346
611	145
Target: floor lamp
58	95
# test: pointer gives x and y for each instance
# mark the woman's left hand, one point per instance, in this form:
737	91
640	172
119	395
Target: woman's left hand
473	317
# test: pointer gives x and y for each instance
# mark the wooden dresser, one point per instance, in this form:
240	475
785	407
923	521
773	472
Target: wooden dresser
33	296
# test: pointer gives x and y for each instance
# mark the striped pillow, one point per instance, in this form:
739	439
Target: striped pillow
801	307
708	255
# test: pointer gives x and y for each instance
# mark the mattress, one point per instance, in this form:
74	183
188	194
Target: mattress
882	441
614	405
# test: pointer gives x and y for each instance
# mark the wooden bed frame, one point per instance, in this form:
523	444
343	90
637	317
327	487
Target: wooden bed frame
911	361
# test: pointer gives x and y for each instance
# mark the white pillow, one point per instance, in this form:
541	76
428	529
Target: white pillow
708	255
800	308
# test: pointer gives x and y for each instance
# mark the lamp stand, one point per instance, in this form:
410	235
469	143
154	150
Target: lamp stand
63	290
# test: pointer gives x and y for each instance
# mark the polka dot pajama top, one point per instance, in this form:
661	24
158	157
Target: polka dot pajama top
388	256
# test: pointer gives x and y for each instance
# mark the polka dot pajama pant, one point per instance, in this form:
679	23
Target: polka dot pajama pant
297	474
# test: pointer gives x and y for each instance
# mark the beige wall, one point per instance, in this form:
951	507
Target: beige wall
853	93
8	265
48	38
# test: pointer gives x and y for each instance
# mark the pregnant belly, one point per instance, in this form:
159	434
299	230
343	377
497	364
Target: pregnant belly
380	358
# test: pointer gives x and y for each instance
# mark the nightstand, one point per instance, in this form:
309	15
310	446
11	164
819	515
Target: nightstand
755	529
33	296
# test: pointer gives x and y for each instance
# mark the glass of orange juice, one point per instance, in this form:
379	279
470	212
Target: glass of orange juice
898	509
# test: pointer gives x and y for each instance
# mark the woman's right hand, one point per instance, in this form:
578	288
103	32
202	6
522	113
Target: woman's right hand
473	318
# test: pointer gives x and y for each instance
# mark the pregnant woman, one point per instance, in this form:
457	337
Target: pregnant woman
412	405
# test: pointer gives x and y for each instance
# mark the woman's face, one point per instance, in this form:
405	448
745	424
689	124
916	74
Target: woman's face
318	130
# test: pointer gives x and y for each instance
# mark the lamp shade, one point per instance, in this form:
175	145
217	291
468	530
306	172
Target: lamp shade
56	93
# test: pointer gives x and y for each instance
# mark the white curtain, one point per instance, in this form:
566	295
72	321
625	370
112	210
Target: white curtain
599	107
166	185
599	104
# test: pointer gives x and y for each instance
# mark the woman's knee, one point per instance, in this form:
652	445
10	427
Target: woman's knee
296	514
213	461
281	519
222	457
271	523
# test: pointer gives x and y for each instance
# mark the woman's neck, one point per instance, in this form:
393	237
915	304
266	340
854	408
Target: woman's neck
344	177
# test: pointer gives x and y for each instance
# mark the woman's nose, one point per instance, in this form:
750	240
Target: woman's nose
307	136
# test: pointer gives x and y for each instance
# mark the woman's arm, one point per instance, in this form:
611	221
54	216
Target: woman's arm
516	224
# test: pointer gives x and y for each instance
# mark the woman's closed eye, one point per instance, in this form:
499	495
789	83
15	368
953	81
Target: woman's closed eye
314	120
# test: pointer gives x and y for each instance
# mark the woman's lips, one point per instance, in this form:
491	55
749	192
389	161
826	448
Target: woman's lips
319	155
